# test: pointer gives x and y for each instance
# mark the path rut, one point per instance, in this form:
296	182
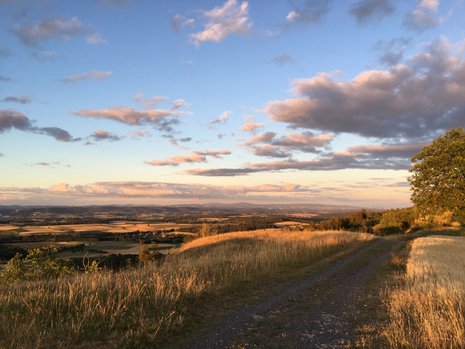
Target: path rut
320	310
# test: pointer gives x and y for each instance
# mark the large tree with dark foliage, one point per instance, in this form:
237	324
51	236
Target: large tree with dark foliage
438	175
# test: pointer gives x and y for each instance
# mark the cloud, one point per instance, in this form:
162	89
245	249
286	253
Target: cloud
414	100
283	59
194	157
223	21
10	119
250	125
95	39
311	11
392	52
152	101
424	16
17	99
97	75
50	164
169	190
55	28
114	2
221	119
140	134
4	78
178	22
394	156
44	56
101	135
161	119
58	133
267	144
366	10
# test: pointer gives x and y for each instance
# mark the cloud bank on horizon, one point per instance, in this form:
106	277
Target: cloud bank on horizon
313	91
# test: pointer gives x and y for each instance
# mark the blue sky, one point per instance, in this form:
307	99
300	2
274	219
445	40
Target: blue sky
163	102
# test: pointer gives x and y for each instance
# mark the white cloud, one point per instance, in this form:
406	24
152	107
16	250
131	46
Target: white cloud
223	21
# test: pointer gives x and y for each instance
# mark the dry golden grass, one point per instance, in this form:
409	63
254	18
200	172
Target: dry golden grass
428	311
139	307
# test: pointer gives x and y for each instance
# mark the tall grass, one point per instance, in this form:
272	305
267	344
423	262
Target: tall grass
139	307
428	311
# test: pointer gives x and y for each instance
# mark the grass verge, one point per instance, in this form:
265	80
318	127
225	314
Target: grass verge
427	310
141	307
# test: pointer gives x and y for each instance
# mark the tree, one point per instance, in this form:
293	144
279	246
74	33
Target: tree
438	175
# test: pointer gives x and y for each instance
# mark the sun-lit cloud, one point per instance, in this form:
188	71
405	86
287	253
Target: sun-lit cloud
268	144
393	156
424	16
60	28
222	21
366	10
90	75
416	99
194	157
161	119
250	125
10	119
310	11
101	135
220	119
139	189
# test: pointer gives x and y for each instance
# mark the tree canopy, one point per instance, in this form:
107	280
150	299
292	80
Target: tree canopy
438	175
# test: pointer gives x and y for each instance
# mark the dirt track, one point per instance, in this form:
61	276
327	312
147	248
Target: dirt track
321	310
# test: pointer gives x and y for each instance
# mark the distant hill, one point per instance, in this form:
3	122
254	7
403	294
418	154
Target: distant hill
87	214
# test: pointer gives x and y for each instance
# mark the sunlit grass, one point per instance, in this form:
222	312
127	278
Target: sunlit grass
429	310
138	307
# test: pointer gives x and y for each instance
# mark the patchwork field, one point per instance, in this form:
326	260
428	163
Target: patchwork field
116	227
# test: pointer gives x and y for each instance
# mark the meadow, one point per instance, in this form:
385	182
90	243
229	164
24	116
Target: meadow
428	309
142	306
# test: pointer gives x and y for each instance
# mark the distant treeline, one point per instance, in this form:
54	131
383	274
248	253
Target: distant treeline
395	221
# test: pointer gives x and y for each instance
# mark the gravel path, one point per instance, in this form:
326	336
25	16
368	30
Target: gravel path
321	310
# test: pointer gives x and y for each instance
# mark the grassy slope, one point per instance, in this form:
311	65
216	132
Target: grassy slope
136	308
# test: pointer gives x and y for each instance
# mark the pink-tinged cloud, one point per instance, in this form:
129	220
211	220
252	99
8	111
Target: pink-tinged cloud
90	75
194	157
162	119
250	125
414	100
223	21
221	119
101	135
424	16
382	156
170	190
267	144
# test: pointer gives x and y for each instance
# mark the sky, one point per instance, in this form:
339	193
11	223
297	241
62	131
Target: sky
189	102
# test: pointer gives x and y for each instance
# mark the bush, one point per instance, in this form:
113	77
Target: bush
40	263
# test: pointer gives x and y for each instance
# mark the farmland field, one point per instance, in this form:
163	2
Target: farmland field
429	310
116	227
